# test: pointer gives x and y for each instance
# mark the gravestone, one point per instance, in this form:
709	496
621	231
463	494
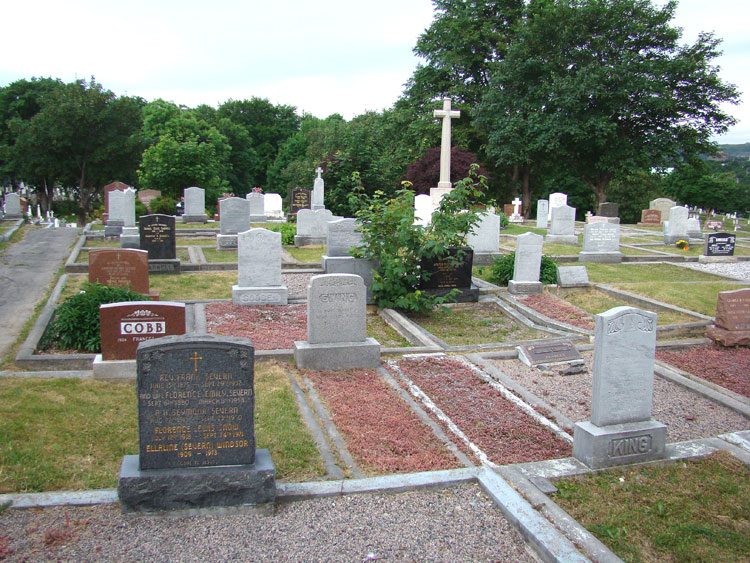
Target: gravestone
663	204
715	224
542	213
676	228
106	190
125	325
312	226
256	207
259	269
129	238
196	433
517	215
13	207
453	271
342	236
115	221
719	245
158	237
527	265
235	219
621	430
556	200
694	228
484	237
299	198
119	268
562	226
608	209
545	355
361	267
508	210
422	210
601	243
195	205
145	196
650	218
732	321
318	194
572	276
592	219
272	206
336	326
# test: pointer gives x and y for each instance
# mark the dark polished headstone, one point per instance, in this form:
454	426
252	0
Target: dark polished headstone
719	244
158	236
450	272
299	198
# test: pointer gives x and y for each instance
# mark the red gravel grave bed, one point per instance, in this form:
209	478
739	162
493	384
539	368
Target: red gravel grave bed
500	429
381	432
269	327
728	367
559	310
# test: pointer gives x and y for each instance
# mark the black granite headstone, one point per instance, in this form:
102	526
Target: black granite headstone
299	198
158	236
608	209
720	244
453	271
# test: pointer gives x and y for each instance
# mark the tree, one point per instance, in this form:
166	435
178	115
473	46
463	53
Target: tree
83	137
424	173
609	89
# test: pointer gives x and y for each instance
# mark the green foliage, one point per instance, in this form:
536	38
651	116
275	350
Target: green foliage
501	270
163	205
503	220
398	246
140	208
75	325
287	230
633	193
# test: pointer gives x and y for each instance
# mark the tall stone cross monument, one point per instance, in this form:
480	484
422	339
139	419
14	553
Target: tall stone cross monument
444	185
318	191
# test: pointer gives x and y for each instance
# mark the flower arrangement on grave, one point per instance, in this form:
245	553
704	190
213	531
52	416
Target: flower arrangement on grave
682	244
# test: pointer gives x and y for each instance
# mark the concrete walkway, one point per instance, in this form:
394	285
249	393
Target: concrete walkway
26	269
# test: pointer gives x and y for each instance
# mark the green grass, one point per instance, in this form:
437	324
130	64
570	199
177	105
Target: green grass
196	226
189	286
196	241
213	256
519	230
561	249
306	254
378	329
685	511
96	243
595	302
634	273
700	298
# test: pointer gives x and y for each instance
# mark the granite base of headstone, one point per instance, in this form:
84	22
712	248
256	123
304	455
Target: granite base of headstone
130	238
113	228
336	326
164	266
451	274
572	276
226	242
732	321
200	218
196	403
621	430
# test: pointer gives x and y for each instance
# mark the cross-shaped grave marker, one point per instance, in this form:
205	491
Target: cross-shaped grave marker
445	142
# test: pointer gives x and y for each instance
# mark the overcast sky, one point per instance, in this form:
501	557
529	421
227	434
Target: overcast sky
324	57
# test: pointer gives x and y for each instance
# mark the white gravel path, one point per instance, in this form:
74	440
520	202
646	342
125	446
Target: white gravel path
735	270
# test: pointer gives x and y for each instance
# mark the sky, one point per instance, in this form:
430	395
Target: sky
324	57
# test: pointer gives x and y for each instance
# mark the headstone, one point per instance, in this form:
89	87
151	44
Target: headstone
145	196
542	213
676	229
546	354
342	236
125	325
448	273
608	209
713	224
650	217
312	227
446	114
422	210
272	206
336	326
516	216
158	237
361	267
235	219
106	190
556	200
196	433
527	265
719	244
318	194
621	430
259	269
694	228
562	226
256	207
195	205
572	276
484	237
601	243
732	323
13	207
115	221
299	198
119	268
663	204
508	210
129	237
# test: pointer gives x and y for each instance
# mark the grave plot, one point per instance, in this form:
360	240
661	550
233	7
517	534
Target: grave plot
726	367
557	309
499	429
381	432
688	416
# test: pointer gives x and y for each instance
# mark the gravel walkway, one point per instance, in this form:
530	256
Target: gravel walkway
736	270
296	284
455	524
687	415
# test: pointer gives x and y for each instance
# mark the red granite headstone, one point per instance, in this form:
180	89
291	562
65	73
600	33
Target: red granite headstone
651	217
125	325
120	267
732	322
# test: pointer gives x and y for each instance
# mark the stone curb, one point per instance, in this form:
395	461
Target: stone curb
12	230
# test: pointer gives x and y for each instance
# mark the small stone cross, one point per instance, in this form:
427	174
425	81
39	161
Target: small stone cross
516	206
319	172
445	142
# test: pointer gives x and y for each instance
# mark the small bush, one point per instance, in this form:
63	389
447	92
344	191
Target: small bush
287	231
75	325
502	270
140	208
503	220
163	205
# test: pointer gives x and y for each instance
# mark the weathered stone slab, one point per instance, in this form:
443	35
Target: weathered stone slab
195	205
125	325
562	226
13	207
572	276
650	217
542	213
601	243
527	264
312	226
733	309
663	205
342	236
485	236
235	215
259	269
608	209
256	207
548	353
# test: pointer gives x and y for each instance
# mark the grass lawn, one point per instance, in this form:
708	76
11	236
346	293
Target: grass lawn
70	434
561	249
519	230
700	298
666	513
634	273
595	302
196	241
196	226
307	254
95	243
15	237
213	256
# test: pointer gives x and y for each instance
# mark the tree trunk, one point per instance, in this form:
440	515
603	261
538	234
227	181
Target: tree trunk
599	185
526	189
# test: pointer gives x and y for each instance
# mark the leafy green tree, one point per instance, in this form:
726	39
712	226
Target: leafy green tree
694	183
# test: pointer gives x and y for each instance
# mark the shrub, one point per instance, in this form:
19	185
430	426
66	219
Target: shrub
140	208
163	205
503	220
287	230
502	270
75	325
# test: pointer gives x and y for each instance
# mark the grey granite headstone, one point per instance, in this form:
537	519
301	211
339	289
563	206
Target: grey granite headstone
542	213
676	228
342	236
13	207
484	237
256	207
128	208
621	430
609	209
601	243
361	267
337	325
663	204
312	226
556	200
195	205
318	195
259	269
694	228
562	226
572	276
115	221
527	264
234	213
196	402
